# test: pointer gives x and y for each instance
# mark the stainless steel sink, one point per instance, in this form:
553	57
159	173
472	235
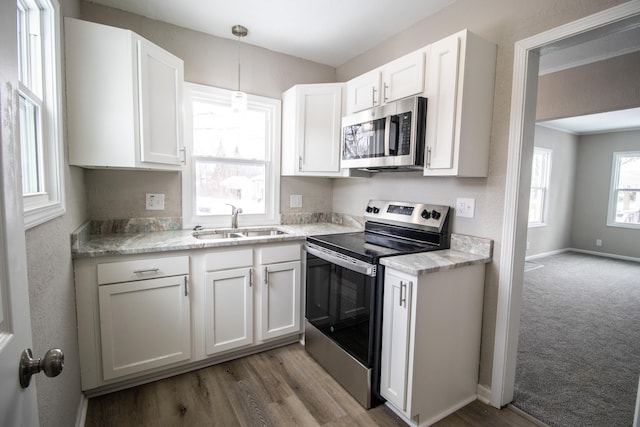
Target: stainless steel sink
239	233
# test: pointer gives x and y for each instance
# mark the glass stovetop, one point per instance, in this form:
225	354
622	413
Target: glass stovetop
360	247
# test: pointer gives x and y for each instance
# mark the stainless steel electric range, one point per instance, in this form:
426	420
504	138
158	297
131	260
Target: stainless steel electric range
344	289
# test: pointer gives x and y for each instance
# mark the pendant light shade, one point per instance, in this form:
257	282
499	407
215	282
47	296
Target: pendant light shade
239	98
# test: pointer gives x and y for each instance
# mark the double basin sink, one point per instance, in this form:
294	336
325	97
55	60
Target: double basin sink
238	233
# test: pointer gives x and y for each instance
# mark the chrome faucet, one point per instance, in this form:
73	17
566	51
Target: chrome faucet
234	215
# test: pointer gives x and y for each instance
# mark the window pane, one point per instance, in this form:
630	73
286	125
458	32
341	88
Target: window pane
239	184
29	119
629	172
628	207
536	204
218	132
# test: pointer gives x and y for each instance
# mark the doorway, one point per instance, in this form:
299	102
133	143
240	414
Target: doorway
523	112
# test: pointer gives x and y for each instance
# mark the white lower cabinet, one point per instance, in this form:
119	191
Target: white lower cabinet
431	341
229	310
280	300
144	324
142	317
134	316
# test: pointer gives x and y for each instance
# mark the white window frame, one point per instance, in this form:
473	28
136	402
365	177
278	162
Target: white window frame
271	216
547	152
42	85
613	190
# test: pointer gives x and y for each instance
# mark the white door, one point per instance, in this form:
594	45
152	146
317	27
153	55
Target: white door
280	300
144	324
395	340
228	310
17	406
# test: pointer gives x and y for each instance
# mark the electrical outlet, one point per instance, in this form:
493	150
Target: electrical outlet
154	201
295	201
598	242
465	208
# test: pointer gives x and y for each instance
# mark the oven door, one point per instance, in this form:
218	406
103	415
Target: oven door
340	301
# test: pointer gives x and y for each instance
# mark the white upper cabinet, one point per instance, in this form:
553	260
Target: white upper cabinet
403	77
459	87
364	91
311	123
396	80
124	99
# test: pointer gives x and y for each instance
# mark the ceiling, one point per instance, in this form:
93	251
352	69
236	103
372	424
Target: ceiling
611	121
329	32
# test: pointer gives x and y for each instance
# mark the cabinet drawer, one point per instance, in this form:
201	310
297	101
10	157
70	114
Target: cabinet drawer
126	271
229	259
279	254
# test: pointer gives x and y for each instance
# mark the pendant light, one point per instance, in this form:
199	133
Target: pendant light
239	98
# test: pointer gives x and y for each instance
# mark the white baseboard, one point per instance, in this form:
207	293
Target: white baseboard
81	417
484	394
604	254
544	254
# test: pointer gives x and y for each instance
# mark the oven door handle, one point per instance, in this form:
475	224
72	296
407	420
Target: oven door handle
342	260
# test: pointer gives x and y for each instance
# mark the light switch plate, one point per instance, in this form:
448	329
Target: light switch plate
465	207
295	201
155	201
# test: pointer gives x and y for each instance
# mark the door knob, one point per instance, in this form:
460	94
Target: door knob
51	364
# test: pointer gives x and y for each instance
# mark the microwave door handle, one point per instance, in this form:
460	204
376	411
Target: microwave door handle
387	129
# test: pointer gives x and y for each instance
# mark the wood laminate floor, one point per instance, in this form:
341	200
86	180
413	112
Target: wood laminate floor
280	387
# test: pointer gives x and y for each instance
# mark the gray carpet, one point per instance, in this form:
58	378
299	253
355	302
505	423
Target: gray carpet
579	348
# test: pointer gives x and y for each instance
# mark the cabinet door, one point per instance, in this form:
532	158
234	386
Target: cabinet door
319	124
395	339
144	324
363	92
442	91
160	77
228	310
403	77
280	300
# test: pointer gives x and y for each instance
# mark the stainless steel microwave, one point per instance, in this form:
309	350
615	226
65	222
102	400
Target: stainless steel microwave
389	137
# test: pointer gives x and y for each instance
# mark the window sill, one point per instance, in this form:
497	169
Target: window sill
42	214
537	224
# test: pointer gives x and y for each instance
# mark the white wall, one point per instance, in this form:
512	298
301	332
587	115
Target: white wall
593	180
556	233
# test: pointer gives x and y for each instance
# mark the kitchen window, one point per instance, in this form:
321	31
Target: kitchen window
624	197
39	109
540	172
233	159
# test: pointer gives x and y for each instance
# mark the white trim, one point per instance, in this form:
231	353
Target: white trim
545	254
53	151
272	208
636	416
83	406
484	393
514	231
605	254
613	190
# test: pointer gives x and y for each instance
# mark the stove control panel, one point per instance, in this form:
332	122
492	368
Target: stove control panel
408	214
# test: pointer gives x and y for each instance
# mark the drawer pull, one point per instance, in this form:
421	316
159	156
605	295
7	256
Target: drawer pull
146	270
186	287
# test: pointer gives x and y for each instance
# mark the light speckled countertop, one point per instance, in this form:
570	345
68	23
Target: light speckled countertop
465	250
177	240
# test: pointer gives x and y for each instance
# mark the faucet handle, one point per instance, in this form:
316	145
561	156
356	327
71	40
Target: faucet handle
233	208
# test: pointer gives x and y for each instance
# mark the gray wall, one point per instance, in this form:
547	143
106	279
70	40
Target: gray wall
503	22
590	88
556	233
593	179
51	289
